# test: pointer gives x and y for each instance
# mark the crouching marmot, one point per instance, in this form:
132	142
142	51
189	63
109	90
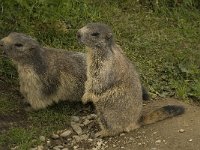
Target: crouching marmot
113	84
46	75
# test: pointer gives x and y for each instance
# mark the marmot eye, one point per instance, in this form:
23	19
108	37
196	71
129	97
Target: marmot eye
18	45
95	34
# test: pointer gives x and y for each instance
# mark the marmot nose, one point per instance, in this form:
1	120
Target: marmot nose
79	36
1	47
1	43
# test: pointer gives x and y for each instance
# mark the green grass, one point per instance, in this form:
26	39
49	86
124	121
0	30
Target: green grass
162	41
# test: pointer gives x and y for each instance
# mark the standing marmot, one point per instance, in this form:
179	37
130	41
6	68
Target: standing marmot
113	84
46	75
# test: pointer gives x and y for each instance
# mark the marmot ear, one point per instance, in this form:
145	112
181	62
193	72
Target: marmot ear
109	36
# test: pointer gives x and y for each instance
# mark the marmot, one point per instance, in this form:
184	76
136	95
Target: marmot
46	75
113	84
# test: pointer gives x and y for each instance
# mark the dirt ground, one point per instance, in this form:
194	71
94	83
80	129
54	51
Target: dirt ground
178	133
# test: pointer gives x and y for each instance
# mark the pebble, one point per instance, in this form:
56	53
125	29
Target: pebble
66	133
139	143
190	140
54	136
75	119
158	141
75	147
86	122
77	138
181	130
48	143
42	138
76	128
122	134
65	149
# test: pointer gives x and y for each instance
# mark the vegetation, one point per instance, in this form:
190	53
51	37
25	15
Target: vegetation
160	37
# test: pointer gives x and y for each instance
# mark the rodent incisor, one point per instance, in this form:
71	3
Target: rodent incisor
46	75
113	84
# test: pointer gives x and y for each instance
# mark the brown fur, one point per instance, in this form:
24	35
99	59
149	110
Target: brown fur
113	84
46	75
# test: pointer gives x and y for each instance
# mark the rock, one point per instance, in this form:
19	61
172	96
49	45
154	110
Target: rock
56	148
181	130
75	147
54	136
158	141
190	140
76	128
15	148
66	133
75	118
90	140
122	134
84	136
86	122
65	149
139	143
91	116
40	147
48	143
77	138
42	138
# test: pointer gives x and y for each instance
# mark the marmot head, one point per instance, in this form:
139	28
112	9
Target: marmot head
95	35
19	47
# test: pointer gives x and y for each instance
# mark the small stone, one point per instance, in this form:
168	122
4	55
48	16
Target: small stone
86	122
90	140
42	138
40	147
54	136
114	145
59	146
153	148
158	141
56	148
75	118
92	116
65	149
75	147
77	138
190	140
181	130
122	134
122	147
15	148
76	128
29	149
48	143
66	133
139	143
84	136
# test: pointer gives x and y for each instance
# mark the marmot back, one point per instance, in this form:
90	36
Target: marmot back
46	75
113	84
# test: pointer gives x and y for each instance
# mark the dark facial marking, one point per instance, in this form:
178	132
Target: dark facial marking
18	44
95	34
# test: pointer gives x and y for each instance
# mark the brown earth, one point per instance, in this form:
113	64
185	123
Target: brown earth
178	133
164	135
